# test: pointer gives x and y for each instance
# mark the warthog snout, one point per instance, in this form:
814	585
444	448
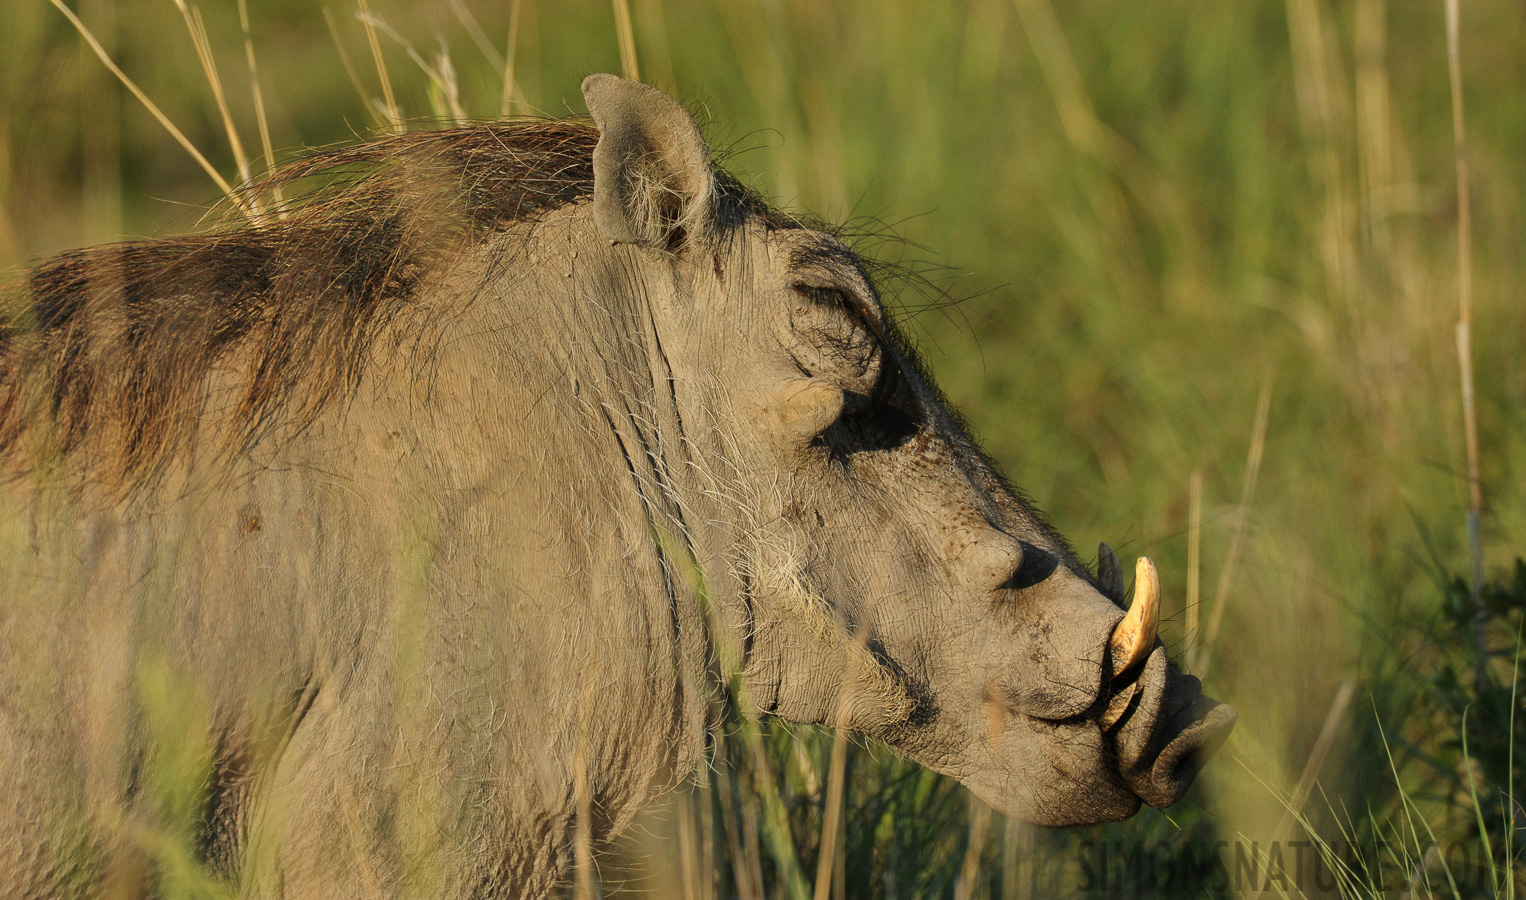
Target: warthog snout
1168	731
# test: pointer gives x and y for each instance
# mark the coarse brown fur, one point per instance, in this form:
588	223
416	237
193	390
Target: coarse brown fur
113	344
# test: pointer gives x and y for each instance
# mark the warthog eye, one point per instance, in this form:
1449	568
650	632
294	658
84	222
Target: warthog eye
836	334
846	301
884	419
826	296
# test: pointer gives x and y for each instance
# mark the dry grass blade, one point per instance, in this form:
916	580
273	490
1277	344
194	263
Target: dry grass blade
965	888
1465	334
775	814
1201	662
773	818
389	101
829	859
474	30
688	849
627	34
832	818
746	868
349	69
263	121
1319	97
585	880
508	60
651	21
198	31
442	74
1017	852
154	110
1077	117
832	815
1316	761
1194	553
8	243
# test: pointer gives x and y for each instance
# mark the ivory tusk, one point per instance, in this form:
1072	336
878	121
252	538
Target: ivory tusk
1118	706
1134	637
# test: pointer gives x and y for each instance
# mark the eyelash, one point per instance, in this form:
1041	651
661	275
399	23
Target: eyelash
883	416
829	296
835	298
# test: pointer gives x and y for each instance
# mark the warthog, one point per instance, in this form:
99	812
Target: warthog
426	516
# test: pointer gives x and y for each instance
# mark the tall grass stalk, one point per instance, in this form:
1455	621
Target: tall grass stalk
832	822
1464	332
1066	85
585	877
1202	660
968	886
262	120
773	818
198	32
373	110
389	106
688	851
504	103
154	110
1329	733
1319	107
828	859
1017	851
626	33
651	23
101	133
444	90
1194	605
9	245
468	20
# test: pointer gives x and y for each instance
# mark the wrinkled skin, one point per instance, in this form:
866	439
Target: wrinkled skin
981	642
461	613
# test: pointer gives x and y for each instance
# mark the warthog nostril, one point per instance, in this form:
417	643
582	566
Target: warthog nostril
1181	760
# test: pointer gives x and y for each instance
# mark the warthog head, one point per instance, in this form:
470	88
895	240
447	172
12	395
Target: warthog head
884	575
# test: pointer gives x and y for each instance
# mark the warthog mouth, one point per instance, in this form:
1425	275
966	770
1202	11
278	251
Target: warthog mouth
1179	762
1165	729
1167	736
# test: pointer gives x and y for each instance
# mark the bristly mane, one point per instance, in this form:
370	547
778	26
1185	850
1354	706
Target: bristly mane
110	348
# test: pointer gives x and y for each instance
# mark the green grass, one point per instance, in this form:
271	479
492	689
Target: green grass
1150	214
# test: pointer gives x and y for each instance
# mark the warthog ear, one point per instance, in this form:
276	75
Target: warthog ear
1109	573
652	182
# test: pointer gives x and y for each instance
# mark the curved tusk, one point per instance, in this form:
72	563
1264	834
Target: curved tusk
1118	706
1134	637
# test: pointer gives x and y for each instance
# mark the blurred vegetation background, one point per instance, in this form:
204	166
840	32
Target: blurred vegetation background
1190	268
